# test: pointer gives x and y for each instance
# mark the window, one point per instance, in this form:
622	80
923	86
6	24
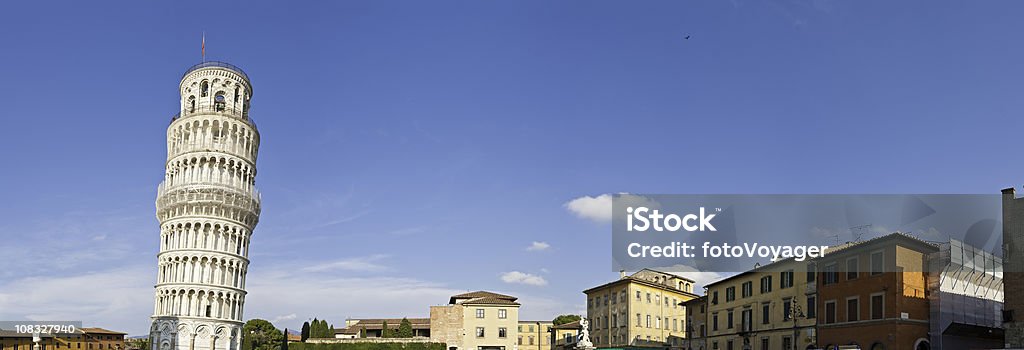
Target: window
748	289
623	297
648	321
590	303
606	300
766	284
830	311
479	332
877	306
787	309
714	321
728	320
615	321
614	299
204	89
521	340
479	313
764	343
675	325
531	340
501	332
747	321
638	320
812	307
787	343
877	263
530	328
714	298
830	274
765	313
637	295
502	313
703	332
812	272
648	298
730	294
728	345
786	279
853	309
851	268
657	322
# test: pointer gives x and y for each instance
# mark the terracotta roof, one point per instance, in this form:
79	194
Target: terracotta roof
570	325
490	300
480	294
97	330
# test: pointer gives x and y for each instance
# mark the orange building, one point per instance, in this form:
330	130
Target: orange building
873	295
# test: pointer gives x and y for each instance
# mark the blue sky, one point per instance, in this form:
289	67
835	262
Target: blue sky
416	149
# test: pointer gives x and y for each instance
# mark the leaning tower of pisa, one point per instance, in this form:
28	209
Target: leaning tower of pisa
207	206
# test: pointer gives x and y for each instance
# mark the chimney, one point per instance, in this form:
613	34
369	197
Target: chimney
1008	193
622	274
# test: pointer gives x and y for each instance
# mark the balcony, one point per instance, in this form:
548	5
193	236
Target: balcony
218	108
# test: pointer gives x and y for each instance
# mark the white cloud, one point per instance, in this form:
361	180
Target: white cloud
523	278
287	317
599	209
593	208
538	246
364	263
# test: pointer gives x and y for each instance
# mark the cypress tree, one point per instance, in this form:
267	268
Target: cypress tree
284	340
305	331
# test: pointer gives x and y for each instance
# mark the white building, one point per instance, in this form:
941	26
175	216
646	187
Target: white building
207	206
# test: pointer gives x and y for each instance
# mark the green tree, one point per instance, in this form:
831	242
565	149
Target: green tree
405	328
262	334
284	340
563	319
330	332
314	328
385	332
305	331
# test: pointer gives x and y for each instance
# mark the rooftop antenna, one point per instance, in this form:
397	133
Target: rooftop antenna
862	228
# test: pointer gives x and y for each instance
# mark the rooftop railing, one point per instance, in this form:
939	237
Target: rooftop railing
218	64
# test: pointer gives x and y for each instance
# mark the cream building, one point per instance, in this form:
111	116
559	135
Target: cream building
207	206
641	310
534	335
755	309
476	321
696	324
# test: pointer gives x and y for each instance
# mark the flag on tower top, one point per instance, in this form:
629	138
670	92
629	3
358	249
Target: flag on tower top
204	47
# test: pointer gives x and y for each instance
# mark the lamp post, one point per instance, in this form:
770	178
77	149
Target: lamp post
795	311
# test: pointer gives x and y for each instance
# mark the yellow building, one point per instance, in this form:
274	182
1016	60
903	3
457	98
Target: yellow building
641	310
564	335
696	324
755	309
534	335
476	321
82	339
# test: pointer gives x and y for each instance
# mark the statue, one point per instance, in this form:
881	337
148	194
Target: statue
583	339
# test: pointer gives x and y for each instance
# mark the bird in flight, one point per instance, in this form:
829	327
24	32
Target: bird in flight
687	37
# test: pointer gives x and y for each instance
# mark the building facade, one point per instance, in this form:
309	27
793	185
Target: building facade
563	336
645	309
476	321
696	324
534	335
89	338
873	294
770	307
207	206
374	327
1013	260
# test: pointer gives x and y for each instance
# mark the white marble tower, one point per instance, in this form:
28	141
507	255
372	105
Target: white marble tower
208	207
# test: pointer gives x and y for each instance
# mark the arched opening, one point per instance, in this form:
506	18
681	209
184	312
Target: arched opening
236	94
219	102
204	89
191	104
922	344
877	346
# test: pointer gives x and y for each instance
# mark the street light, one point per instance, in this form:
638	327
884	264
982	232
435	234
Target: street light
795	311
